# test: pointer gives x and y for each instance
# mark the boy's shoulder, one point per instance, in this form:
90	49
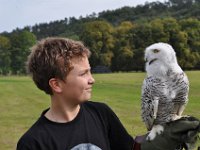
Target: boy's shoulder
31	135
95	104
99	106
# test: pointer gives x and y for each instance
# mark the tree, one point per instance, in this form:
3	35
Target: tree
181	3
158	31
192	28
5	60
97	35
20	44
123	50
142	37
179	41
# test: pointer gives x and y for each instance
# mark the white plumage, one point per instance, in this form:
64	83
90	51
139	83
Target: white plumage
165	89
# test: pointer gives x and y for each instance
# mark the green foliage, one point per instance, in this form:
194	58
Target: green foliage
97	35
20	45
123	52
5	60
116	38
159	31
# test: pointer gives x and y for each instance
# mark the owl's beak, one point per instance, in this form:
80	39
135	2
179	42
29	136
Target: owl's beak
152	61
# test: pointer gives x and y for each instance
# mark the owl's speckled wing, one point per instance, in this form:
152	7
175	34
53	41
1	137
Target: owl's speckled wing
180	85
149	94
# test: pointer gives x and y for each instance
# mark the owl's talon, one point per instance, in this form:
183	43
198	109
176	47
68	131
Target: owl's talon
151	136
148	139
176	117
156	130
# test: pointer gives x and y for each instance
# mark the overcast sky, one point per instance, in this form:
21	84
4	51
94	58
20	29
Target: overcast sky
19	13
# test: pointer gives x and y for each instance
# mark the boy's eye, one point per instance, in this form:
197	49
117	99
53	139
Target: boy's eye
156	50
82	74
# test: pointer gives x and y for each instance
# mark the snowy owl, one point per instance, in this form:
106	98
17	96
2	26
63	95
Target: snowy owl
165	89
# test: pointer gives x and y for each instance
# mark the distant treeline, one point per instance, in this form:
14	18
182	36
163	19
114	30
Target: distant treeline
116	38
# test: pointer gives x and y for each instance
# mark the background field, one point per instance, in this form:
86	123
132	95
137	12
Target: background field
21	102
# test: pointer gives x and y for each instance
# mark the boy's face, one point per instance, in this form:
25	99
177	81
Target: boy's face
79	81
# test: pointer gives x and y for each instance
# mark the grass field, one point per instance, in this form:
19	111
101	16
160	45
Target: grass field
21	102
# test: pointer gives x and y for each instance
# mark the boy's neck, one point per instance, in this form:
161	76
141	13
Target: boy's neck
62	113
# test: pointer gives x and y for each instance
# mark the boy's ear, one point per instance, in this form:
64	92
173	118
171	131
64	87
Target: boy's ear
55	85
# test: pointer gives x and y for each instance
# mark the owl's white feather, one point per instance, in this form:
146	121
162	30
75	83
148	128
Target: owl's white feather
165	89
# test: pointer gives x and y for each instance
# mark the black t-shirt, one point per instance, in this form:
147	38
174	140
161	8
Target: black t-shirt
96	127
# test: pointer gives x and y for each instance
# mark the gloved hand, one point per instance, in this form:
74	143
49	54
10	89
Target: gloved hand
176	134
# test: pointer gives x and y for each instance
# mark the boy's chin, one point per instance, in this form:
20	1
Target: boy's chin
84	100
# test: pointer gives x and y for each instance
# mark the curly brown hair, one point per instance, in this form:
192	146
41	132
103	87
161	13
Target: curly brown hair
51	58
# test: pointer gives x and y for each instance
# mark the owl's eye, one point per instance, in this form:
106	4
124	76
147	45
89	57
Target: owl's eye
156	50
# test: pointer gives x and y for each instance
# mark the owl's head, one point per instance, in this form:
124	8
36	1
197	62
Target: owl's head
159	58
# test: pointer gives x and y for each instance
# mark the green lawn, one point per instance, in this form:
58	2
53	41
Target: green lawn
21	102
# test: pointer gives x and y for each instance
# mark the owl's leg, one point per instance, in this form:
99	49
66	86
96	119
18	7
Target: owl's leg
178	110
157	129
176	117
181	109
